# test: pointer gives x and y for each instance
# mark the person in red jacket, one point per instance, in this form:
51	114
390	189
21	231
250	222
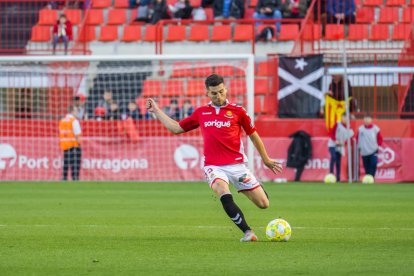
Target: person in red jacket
62	31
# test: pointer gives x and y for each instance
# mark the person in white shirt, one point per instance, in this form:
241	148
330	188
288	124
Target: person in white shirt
338	136
369	140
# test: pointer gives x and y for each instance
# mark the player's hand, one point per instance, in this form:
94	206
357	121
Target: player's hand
275	166
151	105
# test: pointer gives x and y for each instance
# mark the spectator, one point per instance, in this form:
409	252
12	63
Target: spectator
207	3
106	101
199	14
369	139
266	34
337	91
133	111
187	109
99	113
79	103
337	139
228	9
113	113
341	11
143	10
294	8
173	110
268	9
62	31
182	9
158	11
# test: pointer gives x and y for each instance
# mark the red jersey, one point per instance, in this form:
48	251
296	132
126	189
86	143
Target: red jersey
221	129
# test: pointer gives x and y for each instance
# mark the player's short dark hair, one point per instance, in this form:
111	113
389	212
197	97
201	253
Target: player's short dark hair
213	80
71	108
367	115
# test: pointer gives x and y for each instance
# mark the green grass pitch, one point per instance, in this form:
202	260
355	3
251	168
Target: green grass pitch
181	229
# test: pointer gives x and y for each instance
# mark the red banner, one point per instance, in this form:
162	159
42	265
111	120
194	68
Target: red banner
175	159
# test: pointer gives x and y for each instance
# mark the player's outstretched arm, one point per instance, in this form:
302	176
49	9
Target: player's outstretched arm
169	123
275	166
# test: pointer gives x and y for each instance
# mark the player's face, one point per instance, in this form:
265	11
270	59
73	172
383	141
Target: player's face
217	94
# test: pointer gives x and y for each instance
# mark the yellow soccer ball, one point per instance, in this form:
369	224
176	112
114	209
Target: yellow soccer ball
330	178
278	230
368	179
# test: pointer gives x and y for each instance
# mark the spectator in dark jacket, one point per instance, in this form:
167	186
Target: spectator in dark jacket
268	9
158	11
341	11
173	110
62	31
294	8
113	113
133	111
228	9
182	9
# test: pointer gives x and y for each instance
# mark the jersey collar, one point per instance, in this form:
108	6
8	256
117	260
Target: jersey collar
211	104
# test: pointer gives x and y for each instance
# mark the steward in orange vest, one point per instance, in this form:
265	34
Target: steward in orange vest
69	140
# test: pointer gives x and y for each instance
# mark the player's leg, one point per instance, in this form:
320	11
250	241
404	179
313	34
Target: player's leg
333	159
219	183
72	163
374	162
258	196
77	163
366	163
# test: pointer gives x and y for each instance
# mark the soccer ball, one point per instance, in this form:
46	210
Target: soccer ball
368	179
330	178
278	230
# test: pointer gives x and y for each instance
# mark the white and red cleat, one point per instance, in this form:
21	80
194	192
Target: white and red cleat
249	236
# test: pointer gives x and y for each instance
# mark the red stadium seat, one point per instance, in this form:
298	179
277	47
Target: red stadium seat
408	15
389	15
181	69
131	33
121	4
174	88
289	32
365	15
152	88
221	33
48	17
358	32
101	4
176	33
87	34
314	34
243	33
94	17
224	70
411	3
195	3
258	104
41	34
401	32
117	17
195	88
199	33
108	33
379	32
202	69
373	3
237	87
74	16
334	32
150	33
209	13
398	3
266	68
261	86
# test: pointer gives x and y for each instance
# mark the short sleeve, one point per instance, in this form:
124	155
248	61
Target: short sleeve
246	122
190	123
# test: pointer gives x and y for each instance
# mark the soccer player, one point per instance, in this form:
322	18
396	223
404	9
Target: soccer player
221	123
369	140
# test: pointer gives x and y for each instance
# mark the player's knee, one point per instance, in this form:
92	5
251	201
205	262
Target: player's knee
220	187
263	203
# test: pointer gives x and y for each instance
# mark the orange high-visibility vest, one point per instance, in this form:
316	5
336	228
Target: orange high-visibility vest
67	138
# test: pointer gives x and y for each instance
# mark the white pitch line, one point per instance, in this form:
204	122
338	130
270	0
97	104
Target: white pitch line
198	226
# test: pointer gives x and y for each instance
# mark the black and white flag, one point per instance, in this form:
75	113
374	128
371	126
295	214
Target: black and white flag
300	86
